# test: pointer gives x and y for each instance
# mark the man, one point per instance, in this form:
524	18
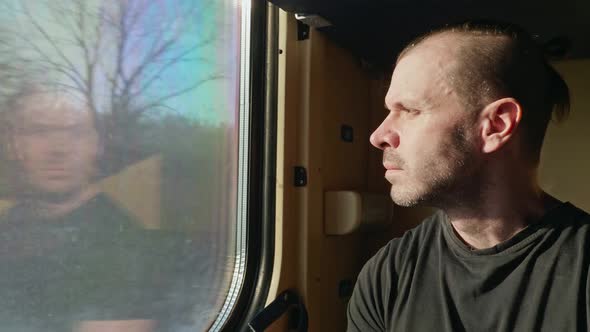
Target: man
72	259
468	108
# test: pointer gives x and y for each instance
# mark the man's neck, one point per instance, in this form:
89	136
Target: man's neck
51	210
499	214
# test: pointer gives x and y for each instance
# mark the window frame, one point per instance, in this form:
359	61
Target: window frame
260	214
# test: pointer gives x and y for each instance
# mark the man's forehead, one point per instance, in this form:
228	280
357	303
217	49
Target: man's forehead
54	110
422	76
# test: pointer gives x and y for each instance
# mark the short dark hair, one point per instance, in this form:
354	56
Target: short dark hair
498	59
12	105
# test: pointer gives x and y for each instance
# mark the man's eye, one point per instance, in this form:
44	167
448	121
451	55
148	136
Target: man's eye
33	131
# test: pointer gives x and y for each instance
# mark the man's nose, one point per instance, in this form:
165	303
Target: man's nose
60	142
385	136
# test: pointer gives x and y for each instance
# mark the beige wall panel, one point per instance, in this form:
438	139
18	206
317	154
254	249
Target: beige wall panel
288	267
311	142
345	101
340	96
565	162
321	87
341	257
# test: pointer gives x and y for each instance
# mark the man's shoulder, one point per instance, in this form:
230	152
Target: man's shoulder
425	231
574	214
377	280
103	212
570	221
19	216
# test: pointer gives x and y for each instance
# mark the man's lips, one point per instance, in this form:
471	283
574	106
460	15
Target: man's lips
391	167
55	171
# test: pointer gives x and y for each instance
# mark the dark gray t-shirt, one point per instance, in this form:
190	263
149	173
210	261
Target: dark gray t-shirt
428	280
94	263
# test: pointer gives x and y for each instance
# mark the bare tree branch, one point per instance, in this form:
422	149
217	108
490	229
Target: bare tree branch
69	71
163	68
136	56
160	101
50	40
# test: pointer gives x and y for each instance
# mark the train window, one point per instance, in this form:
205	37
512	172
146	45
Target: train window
124	184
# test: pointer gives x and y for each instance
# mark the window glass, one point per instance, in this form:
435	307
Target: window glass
122	171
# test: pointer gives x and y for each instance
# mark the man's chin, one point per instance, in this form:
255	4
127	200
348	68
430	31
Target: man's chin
407	203
403	200
412	199
54	195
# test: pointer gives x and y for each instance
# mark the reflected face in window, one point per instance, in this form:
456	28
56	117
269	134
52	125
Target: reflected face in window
55	143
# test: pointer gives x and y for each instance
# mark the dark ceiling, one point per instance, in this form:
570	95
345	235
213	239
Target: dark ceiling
376	30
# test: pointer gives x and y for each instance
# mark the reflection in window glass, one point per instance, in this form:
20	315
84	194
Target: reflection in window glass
119	163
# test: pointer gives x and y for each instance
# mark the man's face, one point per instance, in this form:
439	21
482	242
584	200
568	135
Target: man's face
428	137
56	145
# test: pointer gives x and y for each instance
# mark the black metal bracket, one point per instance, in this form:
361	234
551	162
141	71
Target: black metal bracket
302	31
347	133
300	176
286	300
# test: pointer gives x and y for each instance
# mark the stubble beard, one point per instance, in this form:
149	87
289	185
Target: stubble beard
446	181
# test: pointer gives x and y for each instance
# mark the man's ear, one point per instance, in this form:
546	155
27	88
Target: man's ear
499	121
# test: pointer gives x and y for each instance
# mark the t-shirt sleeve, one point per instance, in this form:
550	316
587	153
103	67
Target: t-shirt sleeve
372	294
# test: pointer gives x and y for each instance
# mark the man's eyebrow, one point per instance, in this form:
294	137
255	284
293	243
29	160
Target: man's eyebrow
398	105
43	126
